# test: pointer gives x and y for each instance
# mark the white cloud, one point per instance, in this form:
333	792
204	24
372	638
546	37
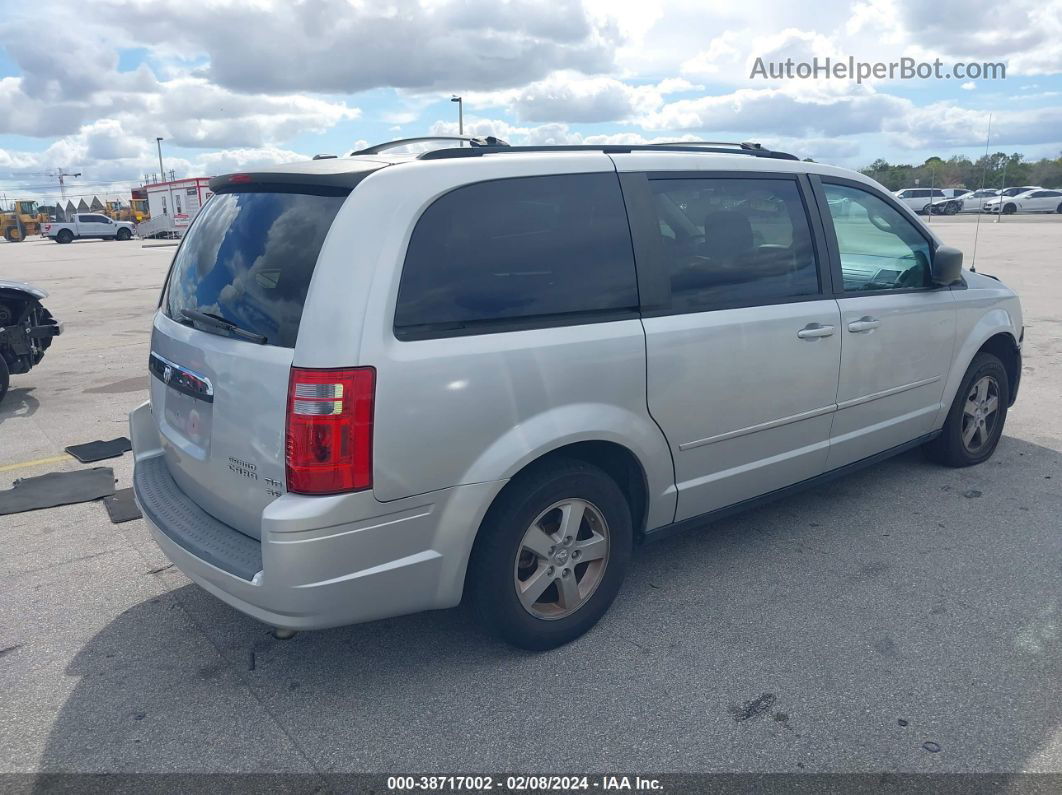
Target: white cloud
779	111
1024	32
188	111
574	99
944	124
721	50
233	83
342	47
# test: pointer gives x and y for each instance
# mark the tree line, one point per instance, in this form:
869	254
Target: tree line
961	172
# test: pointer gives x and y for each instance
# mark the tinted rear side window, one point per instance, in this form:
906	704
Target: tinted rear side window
490	254
734	242
249	257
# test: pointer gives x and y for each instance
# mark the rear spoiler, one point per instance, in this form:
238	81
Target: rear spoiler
292	181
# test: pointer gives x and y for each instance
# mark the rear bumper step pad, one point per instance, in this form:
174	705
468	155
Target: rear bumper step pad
189	526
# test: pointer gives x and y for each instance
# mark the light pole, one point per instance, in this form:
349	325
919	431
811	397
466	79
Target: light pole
169	188
460	113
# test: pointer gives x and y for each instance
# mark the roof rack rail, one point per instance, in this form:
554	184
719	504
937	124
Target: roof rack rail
755	150
738	144
376	149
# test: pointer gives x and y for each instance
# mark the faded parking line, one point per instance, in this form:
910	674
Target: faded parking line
55	459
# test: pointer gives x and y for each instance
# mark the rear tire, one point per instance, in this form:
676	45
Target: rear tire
65	236
551	555
1058	209
977	415
5	377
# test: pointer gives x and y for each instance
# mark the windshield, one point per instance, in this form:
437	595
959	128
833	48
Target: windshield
248	259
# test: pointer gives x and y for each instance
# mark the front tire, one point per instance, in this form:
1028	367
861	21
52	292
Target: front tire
551	555
977	415
123	234
1010	209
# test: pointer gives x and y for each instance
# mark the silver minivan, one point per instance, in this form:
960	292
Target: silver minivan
386	381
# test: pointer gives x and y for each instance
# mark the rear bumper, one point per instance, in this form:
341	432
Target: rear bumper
321	561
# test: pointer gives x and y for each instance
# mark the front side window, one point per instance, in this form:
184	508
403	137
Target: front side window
879	248
517	250
733	242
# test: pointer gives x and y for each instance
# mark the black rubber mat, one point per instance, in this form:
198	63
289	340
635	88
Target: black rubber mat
57	488
98	450
121	506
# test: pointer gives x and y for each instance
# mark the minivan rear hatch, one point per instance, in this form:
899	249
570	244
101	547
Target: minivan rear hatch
224	336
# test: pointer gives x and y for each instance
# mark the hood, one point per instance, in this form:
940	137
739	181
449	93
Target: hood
22	287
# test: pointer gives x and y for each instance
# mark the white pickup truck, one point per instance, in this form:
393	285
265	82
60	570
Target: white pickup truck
89	225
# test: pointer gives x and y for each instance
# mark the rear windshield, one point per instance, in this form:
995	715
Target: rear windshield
249	257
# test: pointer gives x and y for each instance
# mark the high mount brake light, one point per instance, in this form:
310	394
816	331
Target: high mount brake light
328	445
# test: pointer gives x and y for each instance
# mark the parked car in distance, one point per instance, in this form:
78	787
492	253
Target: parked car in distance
1017	191
1038	200
385	382
920	199
89	225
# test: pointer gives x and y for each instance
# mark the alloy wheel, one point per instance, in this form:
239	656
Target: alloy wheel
980	413
562	559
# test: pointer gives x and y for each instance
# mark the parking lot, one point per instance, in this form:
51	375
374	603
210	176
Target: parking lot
905	618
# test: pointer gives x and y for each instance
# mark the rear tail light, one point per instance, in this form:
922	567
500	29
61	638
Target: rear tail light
329	435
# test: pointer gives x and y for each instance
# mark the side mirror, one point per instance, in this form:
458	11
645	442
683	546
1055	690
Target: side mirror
947	265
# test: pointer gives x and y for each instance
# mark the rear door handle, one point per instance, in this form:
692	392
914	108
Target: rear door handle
864	324
812	331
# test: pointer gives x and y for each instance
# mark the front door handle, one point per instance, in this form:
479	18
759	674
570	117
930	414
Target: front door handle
864	324
812	331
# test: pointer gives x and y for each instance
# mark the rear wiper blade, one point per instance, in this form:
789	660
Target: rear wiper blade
214	323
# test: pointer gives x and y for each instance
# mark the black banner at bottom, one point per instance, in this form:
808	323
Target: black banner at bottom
662	784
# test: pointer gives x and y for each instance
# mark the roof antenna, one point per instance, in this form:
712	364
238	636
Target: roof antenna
984	176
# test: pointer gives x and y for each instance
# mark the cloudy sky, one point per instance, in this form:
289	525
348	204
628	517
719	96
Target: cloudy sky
233	84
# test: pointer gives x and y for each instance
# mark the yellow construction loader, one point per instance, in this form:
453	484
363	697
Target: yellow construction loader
22	221
135	211
139	210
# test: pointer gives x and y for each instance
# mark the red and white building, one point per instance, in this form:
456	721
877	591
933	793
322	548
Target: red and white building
179	200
